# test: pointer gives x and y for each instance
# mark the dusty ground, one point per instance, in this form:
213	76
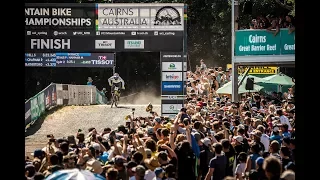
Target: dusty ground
67	120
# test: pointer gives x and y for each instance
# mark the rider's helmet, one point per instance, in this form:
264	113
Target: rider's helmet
116	76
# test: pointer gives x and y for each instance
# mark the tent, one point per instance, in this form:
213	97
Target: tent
279	79
227	88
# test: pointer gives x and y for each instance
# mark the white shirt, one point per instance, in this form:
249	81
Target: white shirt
285	120
149	175
265	141
240	169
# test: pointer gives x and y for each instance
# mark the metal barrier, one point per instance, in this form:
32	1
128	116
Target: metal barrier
58	95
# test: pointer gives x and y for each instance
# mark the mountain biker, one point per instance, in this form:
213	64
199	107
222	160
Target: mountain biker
116	81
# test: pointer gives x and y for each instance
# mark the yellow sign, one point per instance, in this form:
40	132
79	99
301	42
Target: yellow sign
257	70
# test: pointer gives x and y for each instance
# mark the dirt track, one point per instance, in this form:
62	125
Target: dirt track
67	120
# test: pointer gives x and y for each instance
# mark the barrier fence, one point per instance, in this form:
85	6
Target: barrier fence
58	95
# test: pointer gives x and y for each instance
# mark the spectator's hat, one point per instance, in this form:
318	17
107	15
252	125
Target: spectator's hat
238	138
94	166
259	161
206	142
131	164
150	131
158	171
37	153
139	170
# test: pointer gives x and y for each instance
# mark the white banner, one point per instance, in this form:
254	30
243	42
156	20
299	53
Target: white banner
140	16
171	76
171	66
171	108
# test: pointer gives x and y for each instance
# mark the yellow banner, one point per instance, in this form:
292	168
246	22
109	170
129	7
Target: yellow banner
257	70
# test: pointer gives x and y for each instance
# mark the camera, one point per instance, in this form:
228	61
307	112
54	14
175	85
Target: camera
133	109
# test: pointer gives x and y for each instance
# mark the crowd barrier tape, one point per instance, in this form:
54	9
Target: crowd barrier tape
58	95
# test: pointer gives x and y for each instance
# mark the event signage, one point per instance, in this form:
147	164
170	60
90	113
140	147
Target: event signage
263	42
257	69
171	108
59	16
137	16
171	66
69	60
175	86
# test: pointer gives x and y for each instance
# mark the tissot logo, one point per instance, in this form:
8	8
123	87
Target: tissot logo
105	44
167	16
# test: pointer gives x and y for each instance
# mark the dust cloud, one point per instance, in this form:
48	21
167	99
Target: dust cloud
141	98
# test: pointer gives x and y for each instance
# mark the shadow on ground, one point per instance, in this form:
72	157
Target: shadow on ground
37	125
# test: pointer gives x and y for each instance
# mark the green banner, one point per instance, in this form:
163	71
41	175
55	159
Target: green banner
37	106
263	42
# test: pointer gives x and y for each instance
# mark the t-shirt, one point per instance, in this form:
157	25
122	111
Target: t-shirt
265	140
219	163
240	168
186	163
285	120
230	161
285	162
286	134
277	138
253	158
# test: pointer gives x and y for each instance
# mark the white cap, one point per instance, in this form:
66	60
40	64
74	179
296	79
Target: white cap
238	138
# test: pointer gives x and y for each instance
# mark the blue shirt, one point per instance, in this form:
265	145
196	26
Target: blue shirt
89	83
104	157
277	138
286	134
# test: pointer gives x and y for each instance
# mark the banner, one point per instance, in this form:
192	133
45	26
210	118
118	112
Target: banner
37	106
59	17
137	16
263	42
27	113
257	70
69	60
50	94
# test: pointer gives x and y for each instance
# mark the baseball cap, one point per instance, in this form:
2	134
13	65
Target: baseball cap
37	153
96	146
197	136
241	126
256	133
131	164
150	130
139	170
157	119
259	161
238	138
158	171
206	142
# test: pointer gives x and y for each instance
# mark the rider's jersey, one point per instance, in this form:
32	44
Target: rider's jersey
112	80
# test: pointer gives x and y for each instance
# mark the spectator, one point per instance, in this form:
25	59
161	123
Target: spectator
241	167
272	167
218	164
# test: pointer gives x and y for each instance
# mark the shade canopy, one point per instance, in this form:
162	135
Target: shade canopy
279	79
227	88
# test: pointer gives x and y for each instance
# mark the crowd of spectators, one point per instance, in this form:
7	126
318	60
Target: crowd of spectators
210	138
273	23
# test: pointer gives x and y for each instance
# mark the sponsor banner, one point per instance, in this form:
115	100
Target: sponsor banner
262	42
171	76
171	66
105	44
50	94
27	113
171	108
143	34
133	44
37	106
59	16
137	16
257	69
171	116
172	86
172	57
76	43
69	59
173	97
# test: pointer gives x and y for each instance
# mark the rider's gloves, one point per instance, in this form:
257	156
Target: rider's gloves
123	87
110	84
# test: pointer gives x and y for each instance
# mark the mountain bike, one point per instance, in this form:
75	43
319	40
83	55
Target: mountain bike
115	97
